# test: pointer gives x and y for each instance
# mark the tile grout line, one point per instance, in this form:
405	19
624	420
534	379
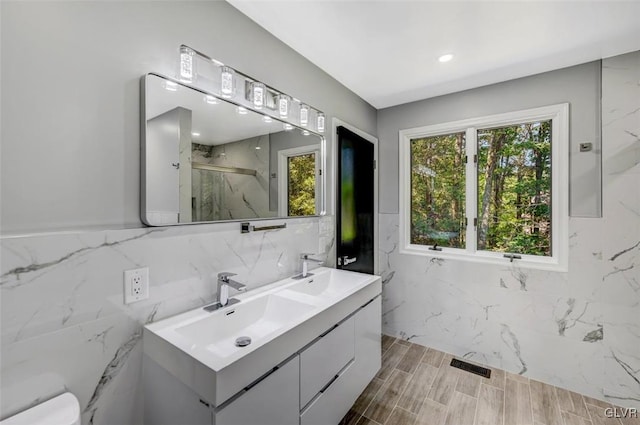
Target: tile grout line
555	393
406	385
504	400
475	413
371	401
454	391
533	421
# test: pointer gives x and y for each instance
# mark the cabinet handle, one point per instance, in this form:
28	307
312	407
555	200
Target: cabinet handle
329	330
260	379
329	384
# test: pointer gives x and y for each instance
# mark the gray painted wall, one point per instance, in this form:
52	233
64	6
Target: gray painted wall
578	85
70	102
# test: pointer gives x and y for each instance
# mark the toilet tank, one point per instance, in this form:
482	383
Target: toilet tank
61	410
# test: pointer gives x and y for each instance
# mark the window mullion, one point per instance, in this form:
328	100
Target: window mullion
471	196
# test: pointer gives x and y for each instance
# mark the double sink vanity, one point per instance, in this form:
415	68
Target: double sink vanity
297	351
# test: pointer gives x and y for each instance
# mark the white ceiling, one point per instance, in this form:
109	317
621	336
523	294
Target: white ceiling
387	51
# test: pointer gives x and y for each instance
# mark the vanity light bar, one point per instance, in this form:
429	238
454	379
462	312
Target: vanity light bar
258	96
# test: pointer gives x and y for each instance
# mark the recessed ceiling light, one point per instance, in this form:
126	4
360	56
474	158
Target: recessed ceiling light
195	134
445	58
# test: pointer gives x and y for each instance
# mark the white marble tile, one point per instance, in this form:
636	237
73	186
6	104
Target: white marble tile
64	324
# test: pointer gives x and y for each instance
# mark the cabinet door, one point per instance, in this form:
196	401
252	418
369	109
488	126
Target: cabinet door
272	401
368	347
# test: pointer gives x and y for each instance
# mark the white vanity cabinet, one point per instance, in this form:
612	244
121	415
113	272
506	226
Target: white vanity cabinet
309	374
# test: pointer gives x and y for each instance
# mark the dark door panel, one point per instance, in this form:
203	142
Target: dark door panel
355	223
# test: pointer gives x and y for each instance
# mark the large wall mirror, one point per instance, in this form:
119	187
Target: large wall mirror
207	159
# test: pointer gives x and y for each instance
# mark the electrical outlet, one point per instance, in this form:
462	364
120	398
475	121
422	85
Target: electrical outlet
136	285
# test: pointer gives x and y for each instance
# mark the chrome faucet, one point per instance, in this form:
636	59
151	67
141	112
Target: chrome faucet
224	282
223	287
305	264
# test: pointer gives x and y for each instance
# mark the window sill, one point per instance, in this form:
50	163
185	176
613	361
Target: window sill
546	264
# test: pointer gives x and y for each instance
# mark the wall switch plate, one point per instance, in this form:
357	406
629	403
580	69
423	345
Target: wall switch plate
136	285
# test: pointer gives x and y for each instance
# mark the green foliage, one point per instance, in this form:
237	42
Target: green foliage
302	185
513	191
438	190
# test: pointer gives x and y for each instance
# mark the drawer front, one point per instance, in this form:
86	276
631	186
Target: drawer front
272	401
333	403
322	361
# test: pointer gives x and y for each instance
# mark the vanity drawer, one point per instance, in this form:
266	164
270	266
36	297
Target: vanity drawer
333	403
323	360
272	401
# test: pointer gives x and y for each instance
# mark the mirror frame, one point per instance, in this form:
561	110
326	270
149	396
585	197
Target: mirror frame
248	106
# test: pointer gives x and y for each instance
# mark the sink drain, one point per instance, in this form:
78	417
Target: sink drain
243	341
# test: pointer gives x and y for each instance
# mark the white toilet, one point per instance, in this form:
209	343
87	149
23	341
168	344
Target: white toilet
61	410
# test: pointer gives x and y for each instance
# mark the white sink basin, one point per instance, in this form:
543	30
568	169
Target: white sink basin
257	319
198	347
327	285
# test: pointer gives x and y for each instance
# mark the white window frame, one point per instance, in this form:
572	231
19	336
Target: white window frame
283	176
559	114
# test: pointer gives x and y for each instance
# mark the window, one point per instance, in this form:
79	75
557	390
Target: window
301	175
490	189
298	181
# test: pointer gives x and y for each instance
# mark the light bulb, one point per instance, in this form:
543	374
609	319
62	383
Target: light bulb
283	105
170	85
304	115
227	82
288	127
211	100
320	122
242	111
195	134
445	58
258	148
258	91
267	118
187	64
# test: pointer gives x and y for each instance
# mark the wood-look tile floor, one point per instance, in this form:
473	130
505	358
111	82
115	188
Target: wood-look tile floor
417	386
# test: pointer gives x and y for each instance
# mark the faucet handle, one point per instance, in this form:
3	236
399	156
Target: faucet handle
224	276
305	255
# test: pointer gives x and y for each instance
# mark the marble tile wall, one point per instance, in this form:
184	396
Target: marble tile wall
63	322
579	330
